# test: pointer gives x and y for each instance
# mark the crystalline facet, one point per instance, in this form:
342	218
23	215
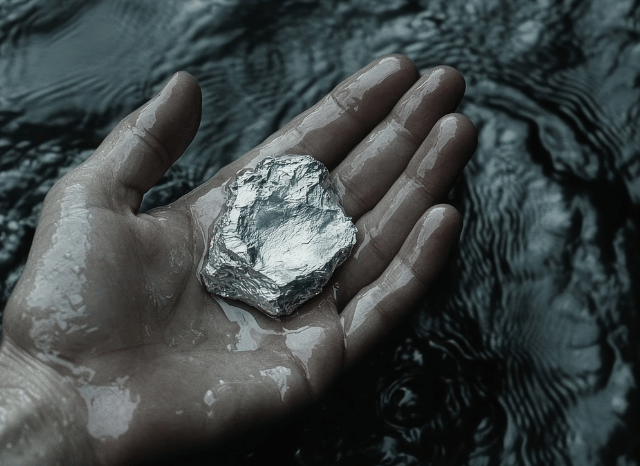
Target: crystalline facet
281	237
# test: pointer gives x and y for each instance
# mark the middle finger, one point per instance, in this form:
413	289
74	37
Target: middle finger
373	166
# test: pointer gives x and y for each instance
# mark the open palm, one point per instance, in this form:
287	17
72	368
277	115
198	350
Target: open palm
111	299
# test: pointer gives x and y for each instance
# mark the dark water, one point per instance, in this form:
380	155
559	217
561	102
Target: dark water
527	351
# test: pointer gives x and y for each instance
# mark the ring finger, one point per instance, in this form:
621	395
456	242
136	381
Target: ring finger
426	180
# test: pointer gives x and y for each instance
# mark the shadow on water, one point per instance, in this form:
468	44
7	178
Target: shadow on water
527	351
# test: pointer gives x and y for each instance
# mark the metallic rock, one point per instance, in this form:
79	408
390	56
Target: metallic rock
282	234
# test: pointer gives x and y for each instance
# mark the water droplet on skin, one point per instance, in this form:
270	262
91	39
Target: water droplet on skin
250	334
110	409
61	296
302	342
366	238
342	190
334	291
75	299
279	375
209	399
204	211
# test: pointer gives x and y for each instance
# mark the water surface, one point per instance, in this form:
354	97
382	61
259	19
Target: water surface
527	350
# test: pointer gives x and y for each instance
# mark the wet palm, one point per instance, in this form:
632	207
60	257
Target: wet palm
111	299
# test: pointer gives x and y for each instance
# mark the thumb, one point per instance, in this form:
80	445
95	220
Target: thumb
144	145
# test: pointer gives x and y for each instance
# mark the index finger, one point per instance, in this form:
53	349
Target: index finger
337	123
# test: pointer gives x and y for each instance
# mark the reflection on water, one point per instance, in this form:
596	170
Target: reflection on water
527	350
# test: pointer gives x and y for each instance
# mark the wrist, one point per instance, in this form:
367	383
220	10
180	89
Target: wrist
42	416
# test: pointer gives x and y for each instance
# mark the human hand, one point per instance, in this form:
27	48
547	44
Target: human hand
111	320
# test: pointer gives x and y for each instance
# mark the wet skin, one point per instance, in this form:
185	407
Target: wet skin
111	329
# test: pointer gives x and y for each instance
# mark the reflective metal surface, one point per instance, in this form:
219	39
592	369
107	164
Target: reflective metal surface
281	236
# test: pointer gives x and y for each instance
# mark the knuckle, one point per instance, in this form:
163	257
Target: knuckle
375	242
422	189
400	130
347	108
158	149
415	272
357	197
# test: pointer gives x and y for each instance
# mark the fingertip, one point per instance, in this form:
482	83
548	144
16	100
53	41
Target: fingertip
433	238
444	217
405	64
408	73
191	87
454	77
184	79
452	86
383	81
453	141
174	114
467	129
452	218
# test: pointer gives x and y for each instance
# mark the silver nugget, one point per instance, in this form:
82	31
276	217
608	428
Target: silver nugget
282	235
